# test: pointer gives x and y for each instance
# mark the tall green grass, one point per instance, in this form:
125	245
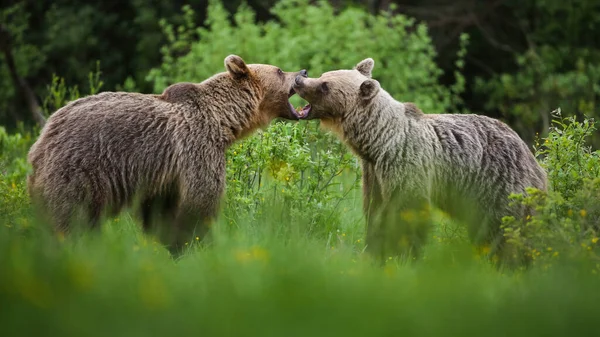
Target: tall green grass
268	277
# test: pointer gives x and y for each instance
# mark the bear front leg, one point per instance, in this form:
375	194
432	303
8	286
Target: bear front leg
191	221
372	197
401	225
201	190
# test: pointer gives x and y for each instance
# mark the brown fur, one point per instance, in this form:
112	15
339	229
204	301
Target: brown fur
102	152
465	164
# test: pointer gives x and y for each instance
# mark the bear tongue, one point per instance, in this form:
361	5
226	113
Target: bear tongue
301	112
304	111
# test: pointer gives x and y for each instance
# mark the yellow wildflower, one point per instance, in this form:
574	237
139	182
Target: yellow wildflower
485	249
403	242
81	275
407	215
570	212
594	240
255	253
197	238
389	270
259	253
583	212
153	293
33	289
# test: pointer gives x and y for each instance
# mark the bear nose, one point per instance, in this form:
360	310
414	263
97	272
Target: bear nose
298	80
303	73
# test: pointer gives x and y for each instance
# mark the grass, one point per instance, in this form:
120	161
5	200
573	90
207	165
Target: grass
268	278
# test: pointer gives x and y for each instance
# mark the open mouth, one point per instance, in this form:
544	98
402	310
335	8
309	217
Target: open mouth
304	111
298	112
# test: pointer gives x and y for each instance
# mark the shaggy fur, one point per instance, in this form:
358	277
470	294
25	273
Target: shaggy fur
467	165
100	152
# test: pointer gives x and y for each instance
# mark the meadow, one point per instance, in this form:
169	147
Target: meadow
287	255
292	263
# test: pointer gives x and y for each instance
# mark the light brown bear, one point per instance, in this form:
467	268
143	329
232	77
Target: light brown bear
103	152
465	164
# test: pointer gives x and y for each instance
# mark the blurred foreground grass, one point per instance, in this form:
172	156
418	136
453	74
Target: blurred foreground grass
268	278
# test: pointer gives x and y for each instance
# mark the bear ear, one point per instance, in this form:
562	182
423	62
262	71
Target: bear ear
368	89
365	67
236	66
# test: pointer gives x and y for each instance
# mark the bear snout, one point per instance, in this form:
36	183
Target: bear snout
303	73
298	80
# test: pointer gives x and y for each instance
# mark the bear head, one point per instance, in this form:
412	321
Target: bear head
275	85
337	92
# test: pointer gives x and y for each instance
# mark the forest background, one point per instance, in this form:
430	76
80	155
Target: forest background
288	256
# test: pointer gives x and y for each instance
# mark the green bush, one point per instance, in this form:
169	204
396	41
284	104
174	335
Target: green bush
548	76
567	218
312	181
302	36
566	154
13	171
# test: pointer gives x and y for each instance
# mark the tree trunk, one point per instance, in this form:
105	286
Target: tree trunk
20	84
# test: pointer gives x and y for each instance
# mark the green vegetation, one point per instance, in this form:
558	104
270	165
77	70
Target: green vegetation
283	272
287	255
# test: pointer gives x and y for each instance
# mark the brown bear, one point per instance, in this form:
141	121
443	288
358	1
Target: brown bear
465	164
165	153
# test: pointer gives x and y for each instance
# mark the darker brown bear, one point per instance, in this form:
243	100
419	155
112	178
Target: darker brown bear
100	152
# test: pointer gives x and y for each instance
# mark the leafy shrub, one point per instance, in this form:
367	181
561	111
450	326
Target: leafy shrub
568	216
280	165
302	36
567	158
59	94
13	170
547	76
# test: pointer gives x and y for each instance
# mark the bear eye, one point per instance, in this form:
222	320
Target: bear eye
324	87
279	71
